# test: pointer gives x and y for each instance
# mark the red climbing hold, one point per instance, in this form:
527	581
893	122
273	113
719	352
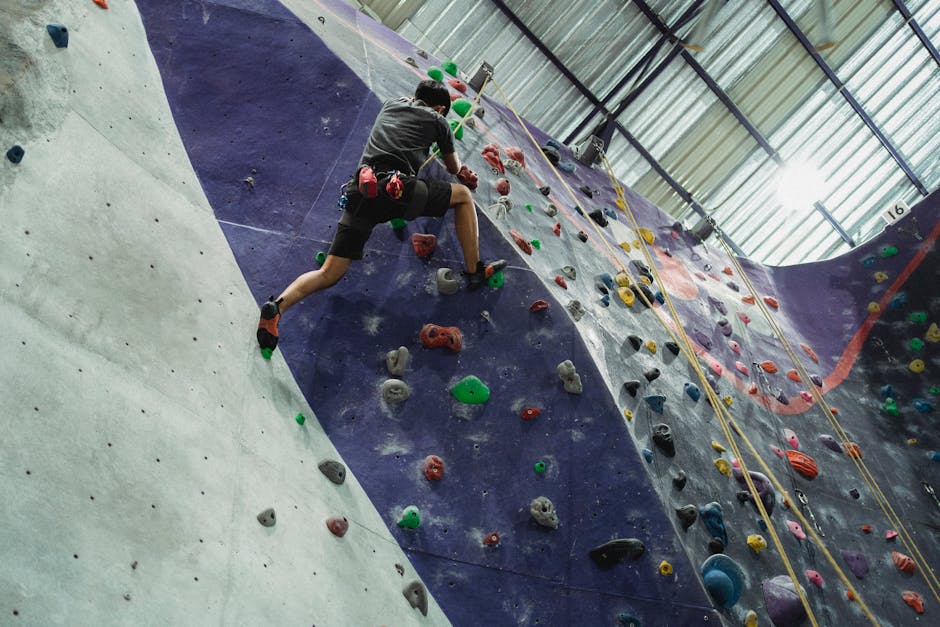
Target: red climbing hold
433	336
556	229
433	468
750	300
491	539
395	188
803	464
866	528
338	526
515	153
914	600
468	177
728	271
768	366
560	280
793	375
539	305
809	351
904	563
502	186
423	243
771	302
491	154
752	388
852	450
834	410
521	242
529	413
101	3
458	84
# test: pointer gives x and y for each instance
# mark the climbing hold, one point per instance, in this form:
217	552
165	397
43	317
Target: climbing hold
433	468
502	186
458	84
635	341
852	450
539	305
529	413
536	244
417	596
300	419
718	304
933	333
888	251
582	236
546	191
749	299
540	467
687	515
598	216
410	518
435	73
735	347
551	210
628	620
803	464
791	438
652	374
646	234
762	484
890	534
904	563
771	302
715	367
890	407
450	67
662	438
461	107
560	280
718	447
830	443
569	376
628	414
756	542
655	402
626	295
914	600
59	35
446	282
631	387
792	375
796	530
556	229
917	366
395	391
918	316
612	553
854	493
727	400
397	361
743	317
857	562
650	346
814	578
337	525
423	244
647	455
333	470
880	277
570	272
101	3
712	517
470	390
916	344
575	309
740	367
15	153
267	518
768	366
457	128
750	619
672	347
434	336
934	389
543	511
921	405
491	539
723	579
725	327
723	466
665	568
692	391
398	224
897	301
869	261
782	602
679	480
521	242
873	307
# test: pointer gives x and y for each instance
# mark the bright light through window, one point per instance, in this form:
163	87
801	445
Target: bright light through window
799	185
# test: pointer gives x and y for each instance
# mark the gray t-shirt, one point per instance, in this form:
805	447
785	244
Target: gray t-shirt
402	134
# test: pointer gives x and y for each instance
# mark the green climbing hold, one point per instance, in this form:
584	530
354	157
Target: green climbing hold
321	257
461	107
267	352
435	73
934	390
458	132
471	390
300	419
398	223
528	207
540	467
450	67
918	316
536	244
496	280
410	518
890	407
917	344
888	251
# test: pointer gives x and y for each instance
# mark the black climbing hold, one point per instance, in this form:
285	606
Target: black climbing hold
612	553
651	374
639	289
59	35
642	269
817	380
335	471
679	480
552	154
631	387
417	596
587	191
582	236
635	341
854	493
716	546
266	517
662	438
598	216
687	514
15	153
672	347
718	304
782	398
743	496
546	191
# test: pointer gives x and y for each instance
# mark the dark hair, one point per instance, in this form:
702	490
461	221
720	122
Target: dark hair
433	93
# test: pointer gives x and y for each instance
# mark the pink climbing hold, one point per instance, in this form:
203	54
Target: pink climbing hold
521	242
556	229
560	280
433	336
806	396
337	525
539	305
458	84
529	413
815	578
423	244
490	152
491	539
716	368
515	153
891	534
736	463
701	276
796	530
433	468
502	186
743	317
791	438
752	388
735	347
777	451
741	368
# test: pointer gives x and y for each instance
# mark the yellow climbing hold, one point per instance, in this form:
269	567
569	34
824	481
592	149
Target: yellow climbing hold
756	542
728	400
665	568
626	295
750	619
718	447
628	414
622	279
651	346
636	243
723	466
917	366
933	333
625	246
873	307
645	280
912	441
646	234
881	277
621	204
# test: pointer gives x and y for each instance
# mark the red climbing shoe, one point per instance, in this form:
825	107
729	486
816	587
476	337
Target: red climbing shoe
483	272
267	326
368	184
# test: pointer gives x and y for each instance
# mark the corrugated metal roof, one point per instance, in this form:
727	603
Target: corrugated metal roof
766	73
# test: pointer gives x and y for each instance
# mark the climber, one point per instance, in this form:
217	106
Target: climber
385	186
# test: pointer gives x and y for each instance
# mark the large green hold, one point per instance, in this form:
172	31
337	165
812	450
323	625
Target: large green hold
458	132
471	390
398	223
435	73
461	107
450	67
496	280
410	518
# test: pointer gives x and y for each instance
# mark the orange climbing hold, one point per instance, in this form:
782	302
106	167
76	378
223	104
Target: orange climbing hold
433	336
728	270
793	375
768	366
904	563
752	388
521	242
771	302
750	300
560	280
803	464
101	3
914	600
852	449
809	351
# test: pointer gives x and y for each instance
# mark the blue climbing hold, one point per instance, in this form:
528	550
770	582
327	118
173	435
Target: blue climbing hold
869	261
607	280
762	524
567	166
59	34
579	210
648	455
656	403
15	154
887	391
627	619
714	520
723	579
605	300
921	405
692	390
610	213
898	301
934	456
660	298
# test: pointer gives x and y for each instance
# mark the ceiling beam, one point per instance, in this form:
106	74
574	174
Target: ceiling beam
849	98
924	39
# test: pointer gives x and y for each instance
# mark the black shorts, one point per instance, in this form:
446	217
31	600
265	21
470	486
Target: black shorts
420	198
